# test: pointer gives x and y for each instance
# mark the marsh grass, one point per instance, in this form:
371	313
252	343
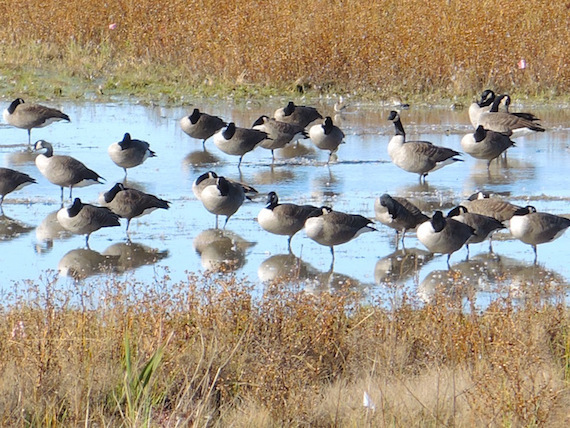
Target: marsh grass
249	47
211	351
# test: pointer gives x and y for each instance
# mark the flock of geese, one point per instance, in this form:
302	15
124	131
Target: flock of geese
473	221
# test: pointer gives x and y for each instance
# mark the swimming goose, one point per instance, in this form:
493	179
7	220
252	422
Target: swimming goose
534	228
501	121
483	225
326	136
485	144
299	115
399	214
84	219
441	235
285	219
130	203
279	134
129	153
236	141
63	171
11	180
420	157
334	227
479	203
28	116
222	198
201	125
209	178
483	105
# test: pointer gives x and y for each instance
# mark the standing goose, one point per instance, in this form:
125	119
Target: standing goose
483	105
478	203
326	136
299	115
399	214
285	219
11	180
420	157
130	203
129	153
441	235
501	121
483	225
484	144
279	134
28	116
201	125
334	227
84	219
222	198
236	141
63	171
534	228
210	177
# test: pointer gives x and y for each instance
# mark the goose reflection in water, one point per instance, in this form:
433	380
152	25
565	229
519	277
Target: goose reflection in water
274	175
401	265
50	230
296	150
84	262
221	250
492	273
11	228
285	267
199	158
131	255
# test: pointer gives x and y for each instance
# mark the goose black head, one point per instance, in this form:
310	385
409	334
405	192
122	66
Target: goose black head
438	221
230	130
272	200
110	195
289	109
525	210
260	121
209	174
328	125
74	209
15	104
194	116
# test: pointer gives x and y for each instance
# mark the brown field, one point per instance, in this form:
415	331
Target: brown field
440	48
205	352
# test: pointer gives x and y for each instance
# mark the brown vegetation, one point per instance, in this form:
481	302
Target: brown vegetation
441	47
209	352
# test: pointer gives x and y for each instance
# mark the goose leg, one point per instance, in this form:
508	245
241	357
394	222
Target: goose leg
239	163
535	254
70	193
216	221
448	266
29	137
289	244
226	222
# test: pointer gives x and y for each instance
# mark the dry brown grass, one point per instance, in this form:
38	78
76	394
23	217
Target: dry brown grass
208	352
441	47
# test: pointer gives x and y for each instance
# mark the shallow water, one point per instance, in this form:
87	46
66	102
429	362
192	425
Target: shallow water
183	240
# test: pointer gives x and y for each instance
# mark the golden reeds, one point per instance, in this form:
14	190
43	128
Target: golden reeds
214	351
442	47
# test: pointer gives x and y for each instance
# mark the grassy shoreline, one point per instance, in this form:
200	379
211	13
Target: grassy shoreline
205	352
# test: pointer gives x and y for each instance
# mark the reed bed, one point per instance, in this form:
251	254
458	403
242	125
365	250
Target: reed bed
246	47
210	352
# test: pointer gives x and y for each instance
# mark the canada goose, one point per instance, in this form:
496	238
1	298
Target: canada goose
534	228
130	203
483	105
129	153
209	178
201	125
483	225
236	141
420	157
279	134
334	227
285	219
441	235
506	102
11	180
326	136
28	116
63	171
485	144
479	203
222	198
84	219
501	121
298	115
399	214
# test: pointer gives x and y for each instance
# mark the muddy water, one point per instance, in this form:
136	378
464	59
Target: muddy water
183	239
